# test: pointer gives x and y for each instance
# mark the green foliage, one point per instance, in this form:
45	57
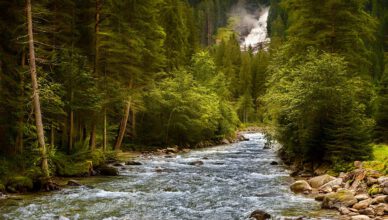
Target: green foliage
340	26
74	165
184	107
381	131
380	159
317	109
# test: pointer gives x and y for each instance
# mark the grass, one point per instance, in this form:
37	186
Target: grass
380	161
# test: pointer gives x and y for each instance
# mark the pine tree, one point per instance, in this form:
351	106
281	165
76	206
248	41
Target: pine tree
35	90
335	26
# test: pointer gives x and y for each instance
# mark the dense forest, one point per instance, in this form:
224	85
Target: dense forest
82	79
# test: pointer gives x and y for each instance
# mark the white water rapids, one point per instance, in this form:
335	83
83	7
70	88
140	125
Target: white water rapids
234	180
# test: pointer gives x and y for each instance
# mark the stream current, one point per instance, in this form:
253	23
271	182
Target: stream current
234	180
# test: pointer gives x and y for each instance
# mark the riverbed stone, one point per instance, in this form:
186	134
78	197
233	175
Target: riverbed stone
362	197
367	211
118	164
370	181
337	199
319	197
380	209
353	210
385	191
196	163
362	204
360	217
328	187
380	199
73	183
274	163
300	186
319	181
382	179
259	215
186	150
344	210
133	163
173	150
225	141
108	171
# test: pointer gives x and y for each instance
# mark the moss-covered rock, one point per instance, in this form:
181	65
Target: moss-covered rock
374	190
300	186
75	169
108	171
338	199
19	184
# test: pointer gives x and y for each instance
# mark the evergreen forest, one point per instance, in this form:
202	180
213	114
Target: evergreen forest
84	81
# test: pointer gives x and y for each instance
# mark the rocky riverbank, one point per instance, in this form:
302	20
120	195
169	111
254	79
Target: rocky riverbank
361	194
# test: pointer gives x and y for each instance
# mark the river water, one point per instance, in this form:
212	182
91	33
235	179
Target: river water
233	181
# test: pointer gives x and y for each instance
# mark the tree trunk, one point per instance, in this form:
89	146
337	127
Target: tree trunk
20	133
104	146
71	129
96	31
133	123
84	133
123	126
92	140
209	28
52	136
35	90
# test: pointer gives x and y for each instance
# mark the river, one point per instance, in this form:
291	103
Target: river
234	180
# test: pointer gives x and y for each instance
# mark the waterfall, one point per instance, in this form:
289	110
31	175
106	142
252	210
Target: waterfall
258	36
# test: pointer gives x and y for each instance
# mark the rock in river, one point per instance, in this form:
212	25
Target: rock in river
260	215
196	163
133	163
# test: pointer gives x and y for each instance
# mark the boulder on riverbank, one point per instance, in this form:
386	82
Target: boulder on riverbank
300	186
319	181
339	199
358	194
73	183
108	171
